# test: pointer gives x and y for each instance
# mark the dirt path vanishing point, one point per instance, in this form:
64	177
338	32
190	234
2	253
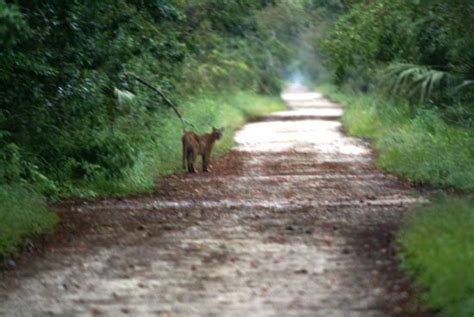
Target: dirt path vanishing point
295	221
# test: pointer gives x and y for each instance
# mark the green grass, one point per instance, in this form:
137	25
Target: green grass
437	251
415	144
22	213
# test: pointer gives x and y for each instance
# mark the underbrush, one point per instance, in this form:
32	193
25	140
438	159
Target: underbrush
23	213
416	144
162	154
437	251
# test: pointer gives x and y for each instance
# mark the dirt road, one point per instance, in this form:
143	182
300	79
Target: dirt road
295	221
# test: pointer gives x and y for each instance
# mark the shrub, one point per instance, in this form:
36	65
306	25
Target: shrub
22	213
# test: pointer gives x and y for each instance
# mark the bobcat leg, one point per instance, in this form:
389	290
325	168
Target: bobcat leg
188	161
191	159
205	163
194	170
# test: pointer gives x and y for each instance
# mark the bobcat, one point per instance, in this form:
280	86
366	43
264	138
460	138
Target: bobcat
194	145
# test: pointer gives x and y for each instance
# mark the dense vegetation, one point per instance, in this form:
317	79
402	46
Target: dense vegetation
68	110
420	50
405	72
72	122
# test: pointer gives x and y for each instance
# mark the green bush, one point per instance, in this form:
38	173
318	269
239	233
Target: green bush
416	144
437	251
22	213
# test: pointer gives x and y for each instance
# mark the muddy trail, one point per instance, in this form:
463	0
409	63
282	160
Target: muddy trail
295	221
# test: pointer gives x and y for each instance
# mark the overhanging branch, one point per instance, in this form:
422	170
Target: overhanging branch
171	104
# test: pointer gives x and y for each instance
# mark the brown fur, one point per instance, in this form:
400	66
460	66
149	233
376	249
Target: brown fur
194	145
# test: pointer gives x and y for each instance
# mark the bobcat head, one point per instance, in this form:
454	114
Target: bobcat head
217	133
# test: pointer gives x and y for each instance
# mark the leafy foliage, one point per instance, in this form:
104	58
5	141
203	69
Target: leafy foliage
423	44
69	114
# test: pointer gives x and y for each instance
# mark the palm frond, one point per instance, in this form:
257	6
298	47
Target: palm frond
464	84
416	79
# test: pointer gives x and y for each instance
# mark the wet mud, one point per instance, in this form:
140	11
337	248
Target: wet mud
295	221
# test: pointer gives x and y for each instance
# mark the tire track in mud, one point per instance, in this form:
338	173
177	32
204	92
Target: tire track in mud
295	221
